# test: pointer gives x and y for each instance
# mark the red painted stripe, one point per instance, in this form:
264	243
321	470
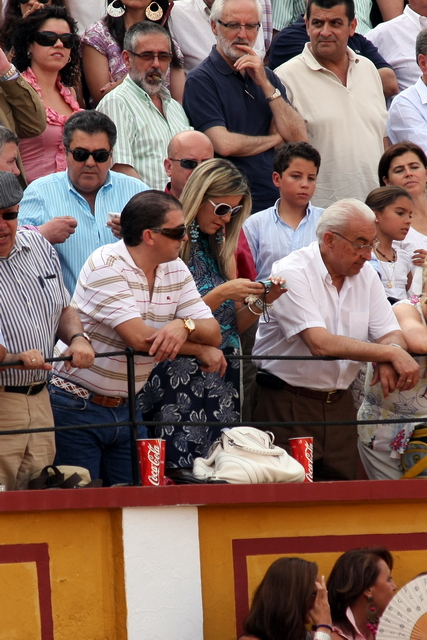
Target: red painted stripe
38	553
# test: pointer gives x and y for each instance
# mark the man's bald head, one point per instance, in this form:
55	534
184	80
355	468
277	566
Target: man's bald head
186	145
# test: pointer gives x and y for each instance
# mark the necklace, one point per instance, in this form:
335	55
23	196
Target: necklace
388	259
387	269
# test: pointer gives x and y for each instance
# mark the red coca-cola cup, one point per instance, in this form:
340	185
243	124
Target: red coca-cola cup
151	453
302	450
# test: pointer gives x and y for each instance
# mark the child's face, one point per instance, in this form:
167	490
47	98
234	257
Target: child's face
297	183
395	220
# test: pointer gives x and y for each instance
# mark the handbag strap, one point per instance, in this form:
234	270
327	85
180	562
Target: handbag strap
415	471
273	451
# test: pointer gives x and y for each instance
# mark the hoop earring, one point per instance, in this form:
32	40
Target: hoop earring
154	12
115	12
194	231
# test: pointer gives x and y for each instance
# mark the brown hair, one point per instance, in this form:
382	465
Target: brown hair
382	197
394	151
354	572
282	600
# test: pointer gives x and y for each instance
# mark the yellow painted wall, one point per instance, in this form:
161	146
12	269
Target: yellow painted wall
86	572
219	526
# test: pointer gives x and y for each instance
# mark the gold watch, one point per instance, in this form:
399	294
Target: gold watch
189	325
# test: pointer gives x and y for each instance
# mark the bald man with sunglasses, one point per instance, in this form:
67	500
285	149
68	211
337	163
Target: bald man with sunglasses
70	208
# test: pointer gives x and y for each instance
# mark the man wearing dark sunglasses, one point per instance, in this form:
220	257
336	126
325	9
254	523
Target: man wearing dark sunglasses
138	295
70	208
34	309
145	114
186	151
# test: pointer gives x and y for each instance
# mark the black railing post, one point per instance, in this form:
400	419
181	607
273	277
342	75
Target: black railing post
130	361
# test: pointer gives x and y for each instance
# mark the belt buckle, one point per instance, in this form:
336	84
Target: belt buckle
330	398
30	391
118	401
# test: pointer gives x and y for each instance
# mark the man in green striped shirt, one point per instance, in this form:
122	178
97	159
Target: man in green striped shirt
145	115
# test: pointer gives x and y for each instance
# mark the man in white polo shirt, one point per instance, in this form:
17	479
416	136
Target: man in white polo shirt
334	305
134	293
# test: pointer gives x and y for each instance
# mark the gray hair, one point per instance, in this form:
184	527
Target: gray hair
218	8
90	122
143	28
6	135
421	43
338	215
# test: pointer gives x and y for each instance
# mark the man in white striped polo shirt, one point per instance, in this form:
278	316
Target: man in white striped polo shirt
142	108
134	293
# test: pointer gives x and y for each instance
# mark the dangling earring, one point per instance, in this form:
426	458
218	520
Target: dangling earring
29	54
154	12
194	231
116	12
220	235
372	616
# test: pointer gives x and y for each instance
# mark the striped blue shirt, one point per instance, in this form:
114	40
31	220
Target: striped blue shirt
32	297
55	195
271	239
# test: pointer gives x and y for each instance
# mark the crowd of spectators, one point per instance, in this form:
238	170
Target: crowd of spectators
197	172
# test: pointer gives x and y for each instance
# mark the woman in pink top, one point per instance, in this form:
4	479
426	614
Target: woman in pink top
46	51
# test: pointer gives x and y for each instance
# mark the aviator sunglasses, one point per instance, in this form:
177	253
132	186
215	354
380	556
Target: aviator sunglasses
223	209
175	233
50	38
81	155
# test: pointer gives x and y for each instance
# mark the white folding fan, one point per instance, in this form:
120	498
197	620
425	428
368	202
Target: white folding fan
406	616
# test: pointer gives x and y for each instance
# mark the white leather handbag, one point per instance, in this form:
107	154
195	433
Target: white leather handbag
245	455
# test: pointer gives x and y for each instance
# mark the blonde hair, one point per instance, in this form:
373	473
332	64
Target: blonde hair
216	178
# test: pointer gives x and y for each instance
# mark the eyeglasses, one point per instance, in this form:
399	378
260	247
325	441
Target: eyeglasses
149	56
81	155
223	209
360	247
236	26
50	38
187	164
25	1
175	233
9	215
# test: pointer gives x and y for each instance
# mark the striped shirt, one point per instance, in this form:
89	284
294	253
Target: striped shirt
32	297
286	11
111	290
270	238
143	133
55	195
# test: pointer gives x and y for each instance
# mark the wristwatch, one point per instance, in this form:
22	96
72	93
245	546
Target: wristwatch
189	325
276	94
81	335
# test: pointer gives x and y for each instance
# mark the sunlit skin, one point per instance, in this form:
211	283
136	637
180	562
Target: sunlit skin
383	589
89	176
297	183
229	41
8	158
394	221
329	31
208	221
148	75
32	5
8	230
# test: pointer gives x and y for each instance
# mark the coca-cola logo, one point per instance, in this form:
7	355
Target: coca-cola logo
153	455
309	457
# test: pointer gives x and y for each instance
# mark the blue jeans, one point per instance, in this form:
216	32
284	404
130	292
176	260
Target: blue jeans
105	452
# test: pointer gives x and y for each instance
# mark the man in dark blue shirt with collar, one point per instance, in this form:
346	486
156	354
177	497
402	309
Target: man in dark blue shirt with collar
237	103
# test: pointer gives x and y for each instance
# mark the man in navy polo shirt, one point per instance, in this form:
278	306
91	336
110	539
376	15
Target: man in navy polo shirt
237	103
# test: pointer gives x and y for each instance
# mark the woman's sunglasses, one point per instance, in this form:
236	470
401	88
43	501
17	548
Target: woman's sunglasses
50	38
81	155
175	233
223	209
25	1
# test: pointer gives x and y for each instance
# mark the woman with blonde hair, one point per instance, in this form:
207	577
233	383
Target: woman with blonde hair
216	200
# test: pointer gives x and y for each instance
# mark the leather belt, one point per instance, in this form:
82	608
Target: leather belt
269	380
28	390
104	401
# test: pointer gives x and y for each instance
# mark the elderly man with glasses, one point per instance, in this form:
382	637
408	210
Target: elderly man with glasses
71	208
335	304
135	293
141	106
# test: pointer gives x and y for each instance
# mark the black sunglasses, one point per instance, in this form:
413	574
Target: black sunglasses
176	233
50	38
223	209
187	164
9	215
25	1
81	155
